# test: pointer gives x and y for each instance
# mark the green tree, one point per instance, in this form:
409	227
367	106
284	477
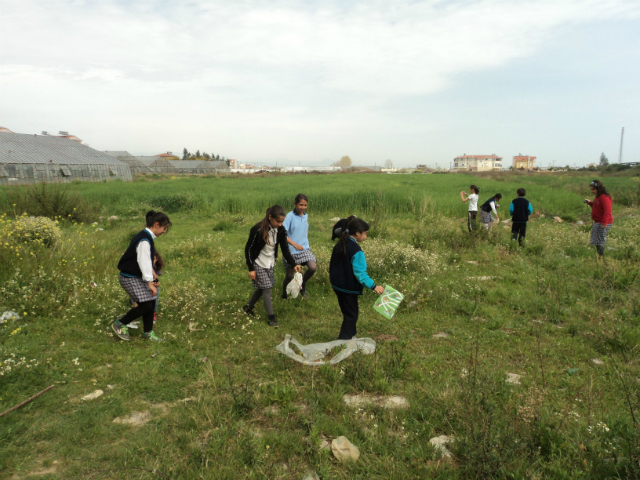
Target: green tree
197	153
185	153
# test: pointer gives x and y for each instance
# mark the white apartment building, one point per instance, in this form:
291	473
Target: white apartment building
477	163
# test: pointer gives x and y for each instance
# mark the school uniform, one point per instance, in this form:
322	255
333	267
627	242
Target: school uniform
520	209
261	256
487	208
297	227
136	267
348	276
136	270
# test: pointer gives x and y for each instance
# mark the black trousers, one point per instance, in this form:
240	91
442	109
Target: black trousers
519	230
144	310
349	307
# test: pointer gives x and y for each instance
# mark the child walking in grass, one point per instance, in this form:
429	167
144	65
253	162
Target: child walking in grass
472	198
348	274
296	224
601	215
487	209
158	265
137	277
520	209
261	252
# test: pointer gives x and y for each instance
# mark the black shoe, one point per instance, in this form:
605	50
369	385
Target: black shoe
283	296
272	321
249	310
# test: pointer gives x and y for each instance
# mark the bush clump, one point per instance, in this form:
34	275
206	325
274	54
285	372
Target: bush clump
41	230
51	200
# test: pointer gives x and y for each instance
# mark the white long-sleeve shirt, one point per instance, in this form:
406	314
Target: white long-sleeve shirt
493	208
144	258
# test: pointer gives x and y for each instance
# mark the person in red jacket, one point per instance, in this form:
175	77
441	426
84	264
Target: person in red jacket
600	214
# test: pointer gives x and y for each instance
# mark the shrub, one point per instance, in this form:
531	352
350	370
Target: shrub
35	230
173	203
51	200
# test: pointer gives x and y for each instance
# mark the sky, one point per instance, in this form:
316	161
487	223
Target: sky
306	82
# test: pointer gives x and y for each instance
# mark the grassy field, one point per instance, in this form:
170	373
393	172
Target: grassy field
217	401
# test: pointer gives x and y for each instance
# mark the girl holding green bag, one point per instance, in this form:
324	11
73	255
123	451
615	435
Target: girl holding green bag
348	274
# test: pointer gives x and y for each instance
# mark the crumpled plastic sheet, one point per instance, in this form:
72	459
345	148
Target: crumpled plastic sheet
295	285
315	353
6	316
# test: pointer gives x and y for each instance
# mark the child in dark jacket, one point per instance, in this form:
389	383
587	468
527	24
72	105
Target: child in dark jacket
260	254
137	277
520	209
348	274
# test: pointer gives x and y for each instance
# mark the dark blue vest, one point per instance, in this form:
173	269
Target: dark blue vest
341	271
520	210
486	206
128	264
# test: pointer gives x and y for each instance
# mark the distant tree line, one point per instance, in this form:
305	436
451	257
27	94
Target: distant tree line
187	155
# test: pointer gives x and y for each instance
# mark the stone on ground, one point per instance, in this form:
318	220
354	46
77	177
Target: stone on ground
439	445
93	396
597	361
440	335
557	220
344	450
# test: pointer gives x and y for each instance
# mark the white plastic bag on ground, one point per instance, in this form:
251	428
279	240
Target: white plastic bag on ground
315	353
6	316
295	285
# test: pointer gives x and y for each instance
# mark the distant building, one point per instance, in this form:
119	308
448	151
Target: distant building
233	163
421	167
198	167
477	163
156	164
26	158
523	162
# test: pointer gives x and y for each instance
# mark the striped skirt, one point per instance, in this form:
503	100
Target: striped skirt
265	278
136	288
599	233
301	258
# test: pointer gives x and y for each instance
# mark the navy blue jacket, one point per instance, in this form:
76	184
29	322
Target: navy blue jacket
348	273
128	264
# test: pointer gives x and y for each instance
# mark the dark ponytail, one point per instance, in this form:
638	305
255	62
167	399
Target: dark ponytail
273	212
154	217
475	189
356	225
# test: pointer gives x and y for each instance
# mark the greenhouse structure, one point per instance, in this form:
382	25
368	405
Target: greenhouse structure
198	167
26	158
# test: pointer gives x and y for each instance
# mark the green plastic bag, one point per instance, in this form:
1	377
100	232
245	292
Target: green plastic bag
388	302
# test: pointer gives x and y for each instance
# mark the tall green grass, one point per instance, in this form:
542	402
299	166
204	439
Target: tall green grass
335	194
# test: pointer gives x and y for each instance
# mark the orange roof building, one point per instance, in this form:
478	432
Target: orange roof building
523	162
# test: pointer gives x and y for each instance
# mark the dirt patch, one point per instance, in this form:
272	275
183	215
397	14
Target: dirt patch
392	401
386	338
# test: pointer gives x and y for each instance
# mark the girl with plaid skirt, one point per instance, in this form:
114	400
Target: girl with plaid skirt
297	225
261	252
601	215
487	209
137	277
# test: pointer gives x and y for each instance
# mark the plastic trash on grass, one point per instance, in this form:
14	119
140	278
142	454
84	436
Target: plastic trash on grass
388	302
295	285
316	353
6	316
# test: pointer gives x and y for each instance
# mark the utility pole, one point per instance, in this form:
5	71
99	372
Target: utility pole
621	139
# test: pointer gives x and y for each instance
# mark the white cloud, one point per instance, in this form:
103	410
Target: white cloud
263	62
